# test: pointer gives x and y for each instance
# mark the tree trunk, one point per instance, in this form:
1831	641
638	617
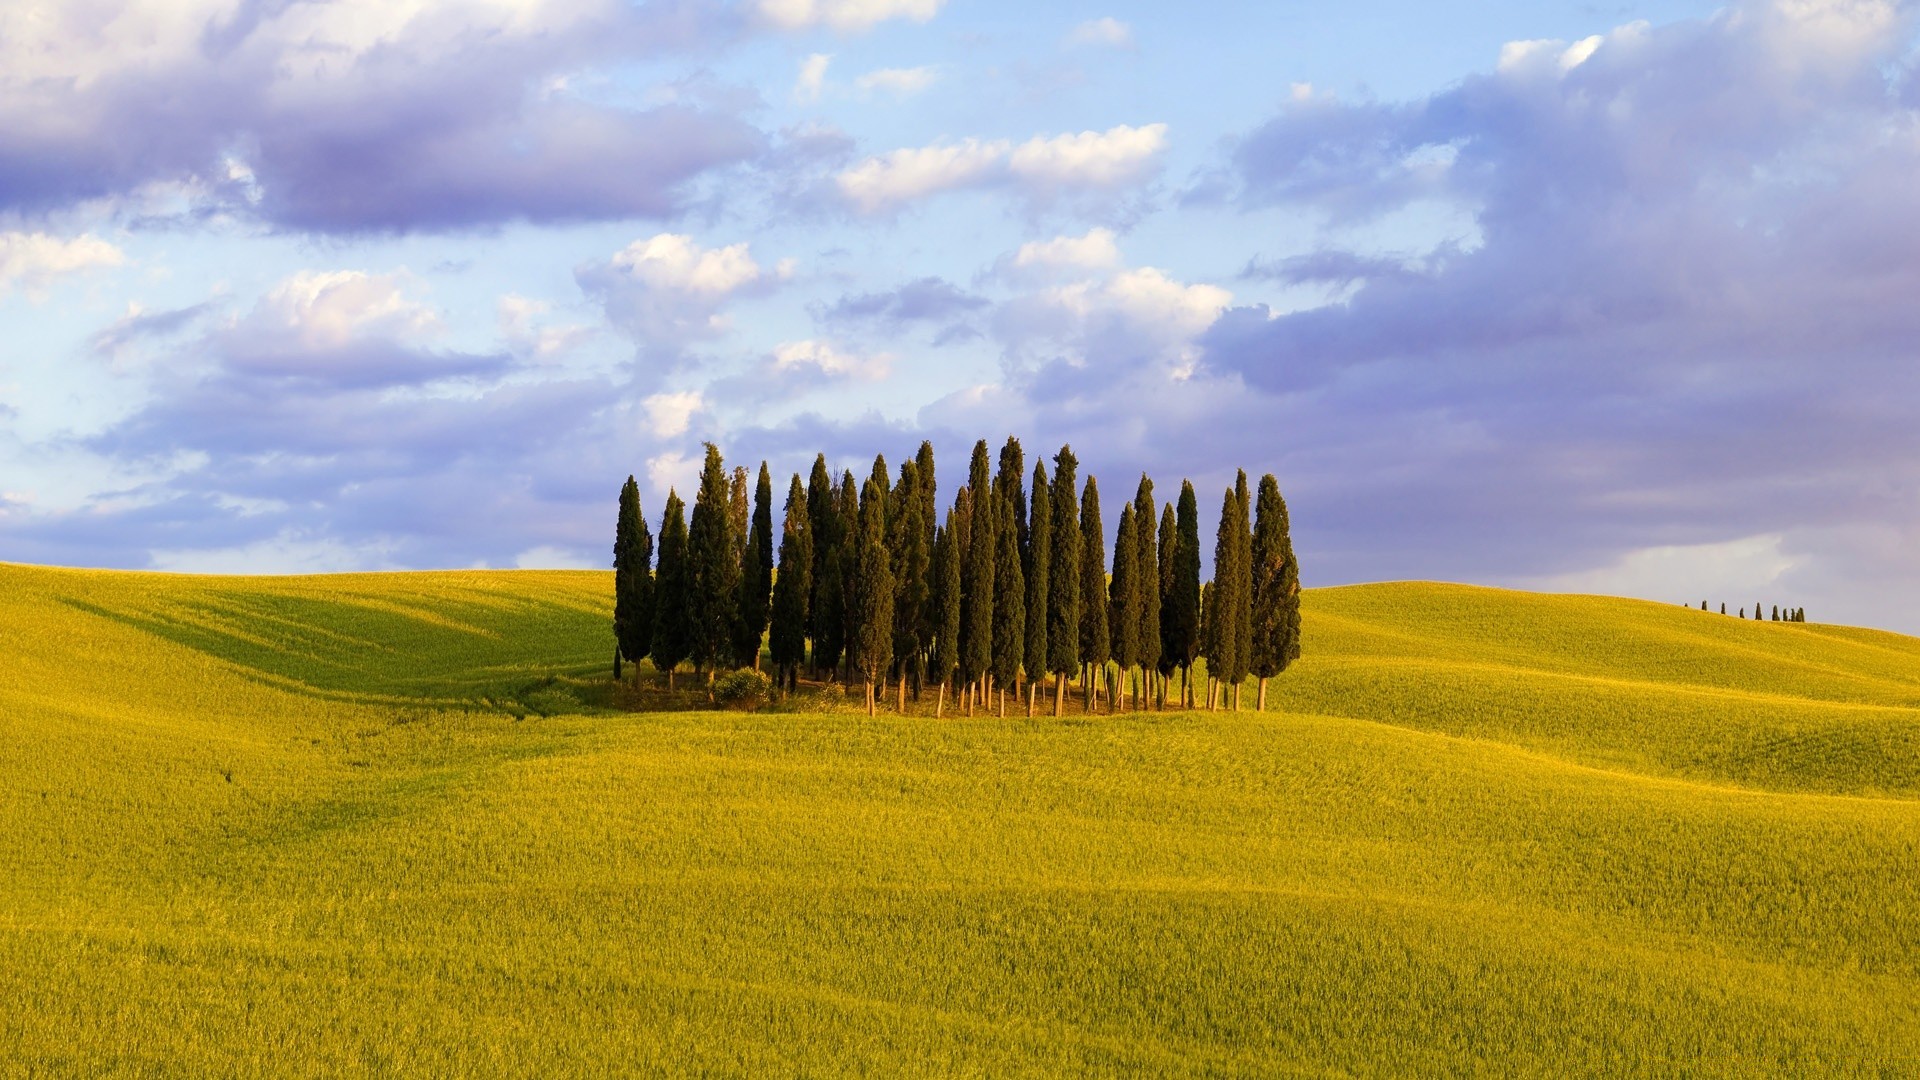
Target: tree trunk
870	699
1262	706
1059	691
1033	691
940	705
1003	703
903	696
616	663
670	680
970	688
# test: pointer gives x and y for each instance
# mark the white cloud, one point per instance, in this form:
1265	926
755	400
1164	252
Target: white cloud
673	470
883	183
900	82
669	415
1094	251
824	358
1093	158
844	15
31	260
518	319
668	289
672	261
1106	31
332	309
812	78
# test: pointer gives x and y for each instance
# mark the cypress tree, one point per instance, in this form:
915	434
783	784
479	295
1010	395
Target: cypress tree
883	483
1147	565
632	581
1180	608
756	577
846	507
871	610
1039	560
825	532
738	511
976	634
713	569
1123	599
1009	601
1209	625
1011	484
1063	574
1242	587
929	613
673	623
1095	646
1168	550
1276	589
1217	639
907	539
1723	607
787	638
946	593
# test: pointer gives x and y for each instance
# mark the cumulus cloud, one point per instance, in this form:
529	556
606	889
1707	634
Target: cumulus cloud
1108	31
900	82
1095	250
667	290
845	15
352	116
824	359
30	261
670	415
1684	305
1043	166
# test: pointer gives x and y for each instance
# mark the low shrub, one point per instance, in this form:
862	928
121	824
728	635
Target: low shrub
745	690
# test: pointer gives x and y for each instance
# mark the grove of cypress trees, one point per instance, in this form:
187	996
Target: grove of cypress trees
756	577
1276	589
946	596
1180	608
976	635
787	638
1095	646
871	610
1148	589
1039	559
1063	580
673	623
907	540
713	569
1009	601
1123	601
632	582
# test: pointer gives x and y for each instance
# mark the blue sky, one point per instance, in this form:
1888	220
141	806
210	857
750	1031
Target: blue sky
1612	298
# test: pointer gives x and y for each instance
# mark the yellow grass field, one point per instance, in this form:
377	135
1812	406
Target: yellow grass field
388	825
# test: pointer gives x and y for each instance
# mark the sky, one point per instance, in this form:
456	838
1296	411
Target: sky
1617	297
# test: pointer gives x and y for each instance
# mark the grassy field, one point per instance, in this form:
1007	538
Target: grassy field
388	824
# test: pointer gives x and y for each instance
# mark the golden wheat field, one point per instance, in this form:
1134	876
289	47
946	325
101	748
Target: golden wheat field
396	825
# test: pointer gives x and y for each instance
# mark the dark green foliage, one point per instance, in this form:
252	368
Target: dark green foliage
1039	561
739	511
756	576
1123	596
907	539
791	589
946	599
1241	606
1010	484
929	613
632	577
673	626
883	483
1276	586
713	568
824	526
1147	565
1063	571
1180	605
1168	563
1009	596
976	631
870	607
1095	644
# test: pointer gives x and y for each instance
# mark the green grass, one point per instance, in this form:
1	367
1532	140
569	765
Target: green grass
323	826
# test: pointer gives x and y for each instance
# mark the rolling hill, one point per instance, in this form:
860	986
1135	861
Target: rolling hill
380	824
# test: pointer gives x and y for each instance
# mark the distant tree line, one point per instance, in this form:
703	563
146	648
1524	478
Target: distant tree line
1778	613
1013	585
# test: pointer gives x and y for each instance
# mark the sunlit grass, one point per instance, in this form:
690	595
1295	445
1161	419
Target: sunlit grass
314	826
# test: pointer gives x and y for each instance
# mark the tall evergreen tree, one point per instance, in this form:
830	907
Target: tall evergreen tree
672	607
1180	607
907	540
1009	600
1095	646
1276	589
882	482
1123	599
738	511
1168	560
929	613
870	621
1039	562
632	581
787	638
713	565
846	565
1216	633
823	524
946	591
1011	484
976	633
1148	564
1063	574
1242	587
756	577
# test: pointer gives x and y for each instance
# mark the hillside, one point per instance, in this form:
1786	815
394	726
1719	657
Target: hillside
381	823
